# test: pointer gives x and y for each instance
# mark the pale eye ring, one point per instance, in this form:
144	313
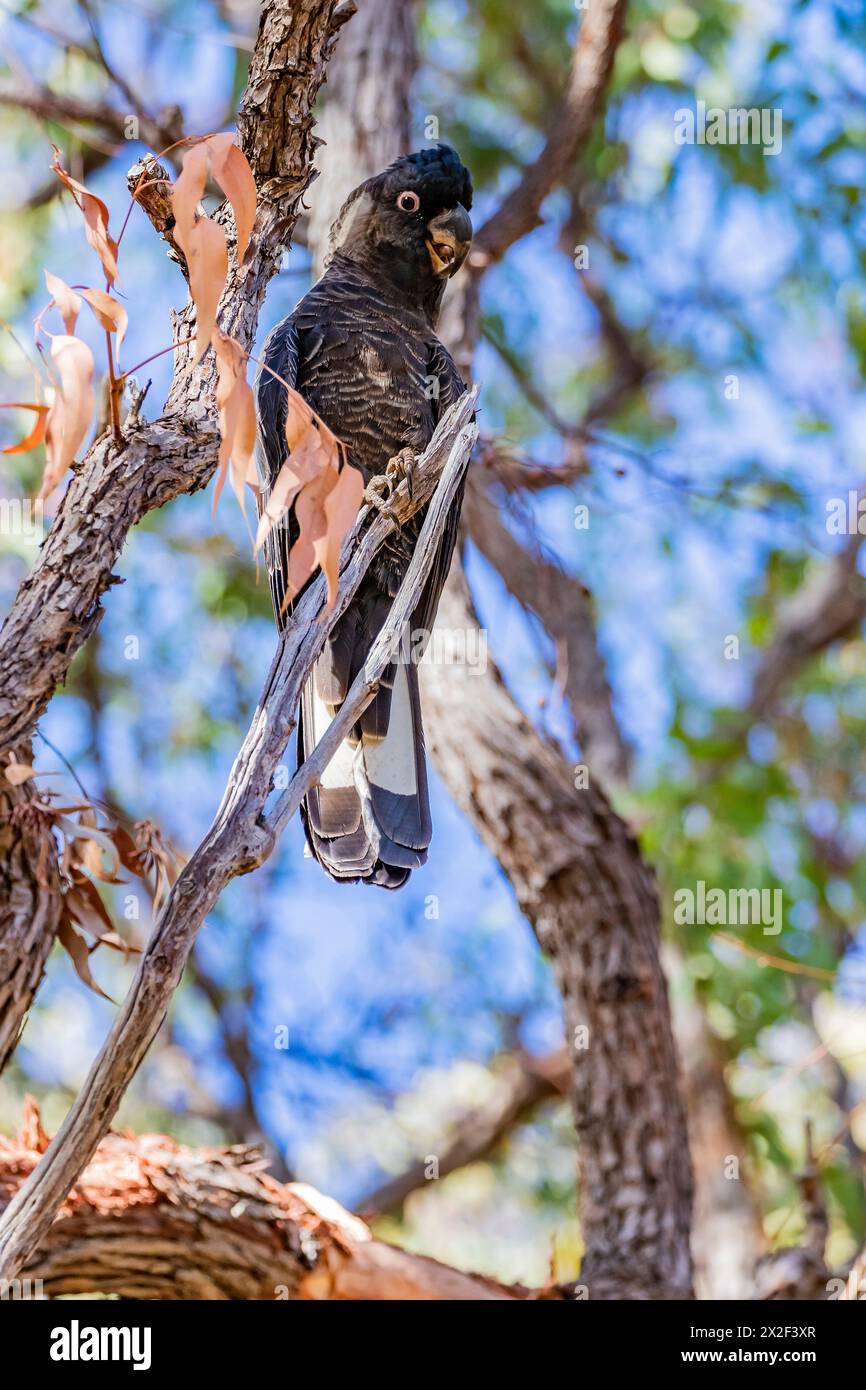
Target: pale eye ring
407	201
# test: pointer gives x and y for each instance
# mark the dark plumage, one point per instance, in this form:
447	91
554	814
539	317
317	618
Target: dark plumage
361	349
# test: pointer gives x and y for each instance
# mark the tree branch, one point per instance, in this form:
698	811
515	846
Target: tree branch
63	109
563	605
822	612
149	1219
519	213
579	878
30	902
57	605
522	1083
241	836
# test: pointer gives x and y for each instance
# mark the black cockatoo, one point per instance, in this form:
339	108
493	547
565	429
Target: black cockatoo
362	351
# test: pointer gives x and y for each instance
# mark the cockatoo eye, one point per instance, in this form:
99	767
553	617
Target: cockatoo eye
407	201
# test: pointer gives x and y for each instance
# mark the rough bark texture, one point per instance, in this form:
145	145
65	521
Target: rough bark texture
575	869
578	876
150	1219
29	904
241	836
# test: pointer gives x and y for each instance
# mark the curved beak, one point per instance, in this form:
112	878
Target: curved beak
448	239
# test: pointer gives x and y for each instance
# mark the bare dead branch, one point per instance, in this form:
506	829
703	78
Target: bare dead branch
522	1082
822	612
150	183
241	836
563	605
519	213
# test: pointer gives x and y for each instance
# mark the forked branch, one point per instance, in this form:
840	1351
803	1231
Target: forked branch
242	835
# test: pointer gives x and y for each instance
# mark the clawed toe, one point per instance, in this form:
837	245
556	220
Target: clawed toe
380	490
378	493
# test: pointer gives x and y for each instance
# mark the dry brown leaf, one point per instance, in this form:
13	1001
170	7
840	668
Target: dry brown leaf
237	417
70	410
95	219
306	462
202	242
286	486
36	435
127	850
341	510
158	857
109	312
86	830
302	563
89	856
235	177
16	773
31	1134
325	491
79	955
312	447
187	191
207	260
66	301
86	906
312	523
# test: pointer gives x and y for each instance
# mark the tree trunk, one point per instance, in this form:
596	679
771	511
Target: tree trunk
366	120
30	903
578	876
575	868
